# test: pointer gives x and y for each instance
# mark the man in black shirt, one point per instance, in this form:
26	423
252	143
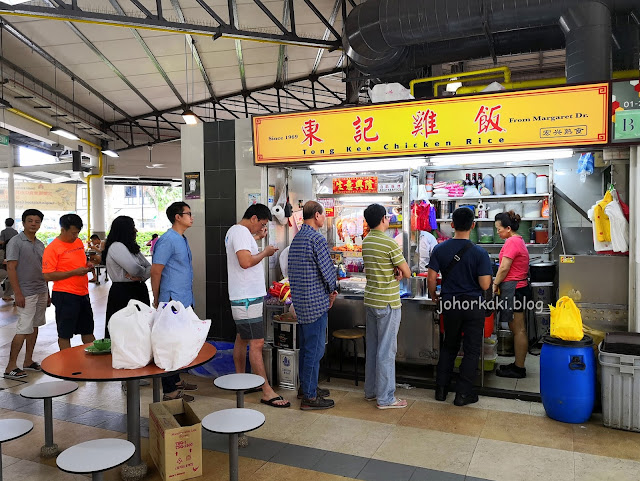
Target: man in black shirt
466	274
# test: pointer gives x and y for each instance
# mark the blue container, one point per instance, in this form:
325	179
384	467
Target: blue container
568	379
510	184
521	184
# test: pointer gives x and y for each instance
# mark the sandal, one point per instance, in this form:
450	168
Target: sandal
272	402
397	404
34	366
185	386
180	395
16	373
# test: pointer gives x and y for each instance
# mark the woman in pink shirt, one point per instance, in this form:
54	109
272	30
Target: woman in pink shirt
512	286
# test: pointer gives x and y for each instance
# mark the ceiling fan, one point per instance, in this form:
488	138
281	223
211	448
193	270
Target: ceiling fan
151	164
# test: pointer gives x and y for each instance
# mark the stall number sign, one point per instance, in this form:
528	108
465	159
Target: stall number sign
390	187
355	185
574	115
329	205
627	125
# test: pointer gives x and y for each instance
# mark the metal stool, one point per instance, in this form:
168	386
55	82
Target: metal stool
350	335
11	429
95	457
47	391
239	383
233	422
98	268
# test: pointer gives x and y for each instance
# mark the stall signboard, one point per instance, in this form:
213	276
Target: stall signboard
44	197
355	185
625	111
554	117
328	203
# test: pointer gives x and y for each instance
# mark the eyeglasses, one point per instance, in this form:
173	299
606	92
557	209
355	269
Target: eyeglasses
186	213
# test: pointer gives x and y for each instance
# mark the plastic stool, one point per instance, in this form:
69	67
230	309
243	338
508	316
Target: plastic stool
350	335
47	391
233	422
95	457
12	429
239	382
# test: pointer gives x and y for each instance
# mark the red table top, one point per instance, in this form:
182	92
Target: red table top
76	364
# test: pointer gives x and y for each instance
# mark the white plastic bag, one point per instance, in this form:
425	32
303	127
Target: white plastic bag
130	331
177	336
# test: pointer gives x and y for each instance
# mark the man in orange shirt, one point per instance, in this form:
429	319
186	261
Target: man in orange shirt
64	262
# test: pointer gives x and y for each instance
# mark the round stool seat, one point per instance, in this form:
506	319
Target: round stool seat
233	421
49	389
348	334
238	382
14	428
95	456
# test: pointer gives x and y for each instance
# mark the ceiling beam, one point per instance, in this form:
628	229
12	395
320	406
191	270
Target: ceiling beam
53	12
150	54
281	73
327	34
233	15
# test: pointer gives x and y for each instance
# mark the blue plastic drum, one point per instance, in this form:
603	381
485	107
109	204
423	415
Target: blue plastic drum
568	379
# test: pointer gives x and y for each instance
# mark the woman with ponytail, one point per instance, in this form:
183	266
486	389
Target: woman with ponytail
512	286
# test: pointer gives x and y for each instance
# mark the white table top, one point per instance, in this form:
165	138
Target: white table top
95	456
14	428
238	382
233	421
49	389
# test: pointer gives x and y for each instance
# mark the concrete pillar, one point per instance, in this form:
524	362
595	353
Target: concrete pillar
97	206
11	191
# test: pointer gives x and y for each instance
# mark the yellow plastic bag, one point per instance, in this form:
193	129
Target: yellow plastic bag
566	320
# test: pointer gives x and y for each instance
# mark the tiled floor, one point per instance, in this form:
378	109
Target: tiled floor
495	439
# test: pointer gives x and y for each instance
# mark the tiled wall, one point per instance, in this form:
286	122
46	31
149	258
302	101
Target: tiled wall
220	215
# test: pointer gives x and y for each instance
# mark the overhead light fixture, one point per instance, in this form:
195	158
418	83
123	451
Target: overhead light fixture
453	86
189	117
110	153
5	105
14	2
374	165
501	157
64	133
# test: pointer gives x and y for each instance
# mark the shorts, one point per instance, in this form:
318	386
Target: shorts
247	314
522	296
73	314
32	315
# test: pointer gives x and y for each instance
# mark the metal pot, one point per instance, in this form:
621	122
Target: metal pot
418	286
543	271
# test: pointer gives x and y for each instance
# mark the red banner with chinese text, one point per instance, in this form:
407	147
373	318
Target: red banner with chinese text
355	185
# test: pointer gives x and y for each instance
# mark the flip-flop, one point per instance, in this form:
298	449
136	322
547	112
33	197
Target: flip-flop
271	402
34	366
16	373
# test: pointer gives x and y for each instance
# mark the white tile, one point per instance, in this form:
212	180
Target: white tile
600	468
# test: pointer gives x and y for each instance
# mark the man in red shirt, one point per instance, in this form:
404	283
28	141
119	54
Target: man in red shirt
64	262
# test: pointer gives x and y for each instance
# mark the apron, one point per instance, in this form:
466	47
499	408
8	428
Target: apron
507	299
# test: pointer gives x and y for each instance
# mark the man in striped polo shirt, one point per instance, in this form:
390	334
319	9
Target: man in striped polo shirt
384	266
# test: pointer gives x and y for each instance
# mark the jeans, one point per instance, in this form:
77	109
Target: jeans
382	345
456	321
312	340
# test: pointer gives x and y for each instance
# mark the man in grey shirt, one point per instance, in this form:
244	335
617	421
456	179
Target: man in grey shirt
24	263
5	236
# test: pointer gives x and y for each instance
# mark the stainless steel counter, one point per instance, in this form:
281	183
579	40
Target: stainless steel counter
418	336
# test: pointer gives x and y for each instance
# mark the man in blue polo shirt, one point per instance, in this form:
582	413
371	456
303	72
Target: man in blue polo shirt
312	277
172	279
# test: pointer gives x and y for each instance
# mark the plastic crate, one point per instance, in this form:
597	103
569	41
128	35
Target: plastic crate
620	390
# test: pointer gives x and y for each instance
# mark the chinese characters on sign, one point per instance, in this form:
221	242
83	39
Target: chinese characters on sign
355	185
310	129
390	187
573	115
424	123
368	124
488	119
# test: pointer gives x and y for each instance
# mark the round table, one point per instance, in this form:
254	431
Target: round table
95	456
239	382
11	429
76	364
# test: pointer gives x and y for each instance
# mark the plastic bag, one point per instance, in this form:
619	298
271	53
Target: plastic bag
177	336
585	165
130	330
566	320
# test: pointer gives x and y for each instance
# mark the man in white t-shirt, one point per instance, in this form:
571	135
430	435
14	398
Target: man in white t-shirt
246	293
427	243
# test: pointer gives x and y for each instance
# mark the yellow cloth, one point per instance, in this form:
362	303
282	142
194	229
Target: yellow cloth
602	225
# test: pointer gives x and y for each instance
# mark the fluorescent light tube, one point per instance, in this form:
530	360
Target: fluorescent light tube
110	153
189	117
64	133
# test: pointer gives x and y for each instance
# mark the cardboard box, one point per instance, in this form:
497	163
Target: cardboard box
175	440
